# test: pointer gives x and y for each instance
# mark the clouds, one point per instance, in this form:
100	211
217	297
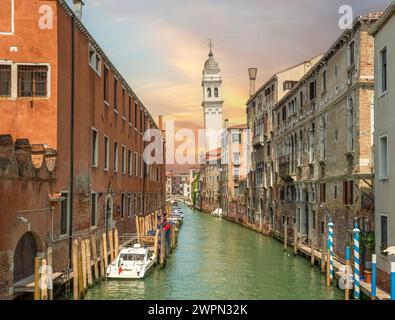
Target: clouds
160	46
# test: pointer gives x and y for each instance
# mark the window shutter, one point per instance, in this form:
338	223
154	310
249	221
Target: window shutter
350	192
344	192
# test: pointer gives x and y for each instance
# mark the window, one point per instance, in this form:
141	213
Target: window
130	110
106	153
95	148
123	204
123	160
141	119
313	90
130	204
32	81
94	209
236	158
301	99
115	94
141	167
136	164
130	163
5	80
288	85
115	156
324	80
312	143
350	124
384	232
216	92
335	192
209	92
383	157
105	84
348	192
123	102
323	138
383	70
352	53
64	214
322	192
136	108
94	60
236	137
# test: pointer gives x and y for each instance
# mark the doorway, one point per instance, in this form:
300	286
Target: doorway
25	253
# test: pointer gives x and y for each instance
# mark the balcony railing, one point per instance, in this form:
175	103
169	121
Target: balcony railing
258	140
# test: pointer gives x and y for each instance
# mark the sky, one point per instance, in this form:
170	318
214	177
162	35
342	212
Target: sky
160	46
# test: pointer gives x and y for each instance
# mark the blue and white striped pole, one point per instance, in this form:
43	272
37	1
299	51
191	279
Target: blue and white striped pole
330	238
393	281
357	288
374	276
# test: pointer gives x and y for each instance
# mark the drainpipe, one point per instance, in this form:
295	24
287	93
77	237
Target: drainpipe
72	138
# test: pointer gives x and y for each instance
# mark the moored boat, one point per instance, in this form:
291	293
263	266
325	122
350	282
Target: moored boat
131	263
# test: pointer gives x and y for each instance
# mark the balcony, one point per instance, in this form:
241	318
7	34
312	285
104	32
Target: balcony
258	140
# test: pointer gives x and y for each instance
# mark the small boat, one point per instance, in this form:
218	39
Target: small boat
217	213
132	263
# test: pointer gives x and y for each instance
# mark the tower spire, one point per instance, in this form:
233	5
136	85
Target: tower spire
211	46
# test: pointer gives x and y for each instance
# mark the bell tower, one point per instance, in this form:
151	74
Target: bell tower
212	101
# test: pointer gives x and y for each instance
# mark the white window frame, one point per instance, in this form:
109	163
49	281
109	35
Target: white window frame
123	162
62	235
93	62
380	175
136	164
14	80
130	162
96	195
382	214
12	31
95	147
382	92
141	167
106	153
349	53
115	156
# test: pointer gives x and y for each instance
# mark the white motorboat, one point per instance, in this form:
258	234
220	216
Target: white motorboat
132	263
217	213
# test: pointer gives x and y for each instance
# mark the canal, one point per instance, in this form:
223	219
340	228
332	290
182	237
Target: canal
217	259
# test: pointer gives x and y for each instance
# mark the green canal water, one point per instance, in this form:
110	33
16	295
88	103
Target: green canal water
217	259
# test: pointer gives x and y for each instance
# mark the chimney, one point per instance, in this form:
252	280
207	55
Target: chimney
226	123
160	122
252	73
78	4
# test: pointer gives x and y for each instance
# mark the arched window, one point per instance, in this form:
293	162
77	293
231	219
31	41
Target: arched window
216	92
209	92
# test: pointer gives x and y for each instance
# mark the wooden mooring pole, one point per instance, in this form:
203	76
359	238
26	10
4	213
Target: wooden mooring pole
75	270
105	252
94	256
37	266
116	242
111	245
88	263
81	290
84	267
50	266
